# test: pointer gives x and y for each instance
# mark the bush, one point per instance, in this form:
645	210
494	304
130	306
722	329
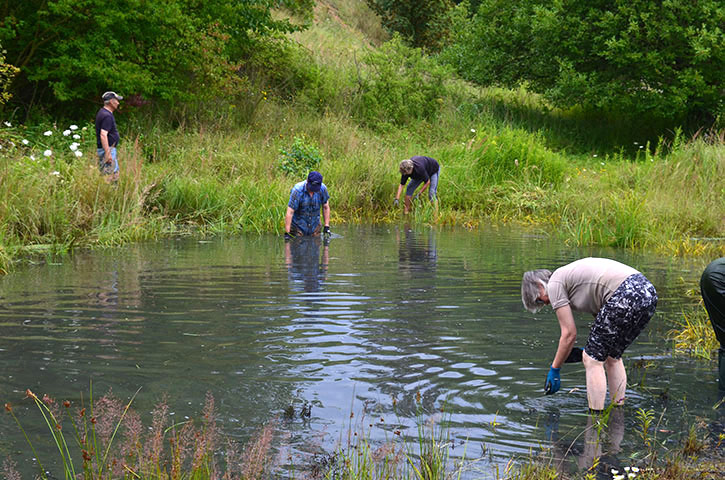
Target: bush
300	158
402	85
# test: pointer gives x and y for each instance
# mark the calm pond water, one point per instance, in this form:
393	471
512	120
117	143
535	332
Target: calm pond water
361	327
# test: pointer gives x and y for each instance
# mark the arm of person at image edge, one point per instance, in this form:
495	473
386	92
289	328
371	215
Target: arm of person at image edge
566	342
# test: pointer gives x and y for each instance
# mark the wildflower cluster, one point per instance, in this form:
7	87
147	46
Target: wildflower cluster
34	144
630	473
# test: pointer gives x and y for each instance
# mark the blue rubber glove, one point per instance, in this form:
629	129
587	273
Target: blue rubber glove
396	202
553	381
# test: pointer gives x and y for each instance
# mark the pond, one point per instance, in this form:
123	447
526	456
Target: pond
388	324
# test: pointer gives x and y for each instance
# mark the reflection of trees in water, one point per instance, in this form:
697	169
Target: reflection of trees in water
305	266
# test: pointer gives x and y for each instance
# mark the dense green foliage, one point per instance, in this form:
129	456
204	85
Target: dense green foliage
70	50
424	23
299	159
641	57
402	84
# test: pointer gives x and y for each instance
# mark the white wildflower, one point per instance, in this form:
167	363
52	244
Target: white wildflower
618	477
595	155
47	153
32	157
79	154
626	469
56	173
614	472
602	163
635	469
631	475
641	146
636	143
76	136
74	146
473	130
74	127
84	128
48	133
25	142
66	133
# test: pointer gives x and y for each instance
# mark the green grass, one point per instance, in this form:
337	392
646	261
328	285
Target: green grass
693	334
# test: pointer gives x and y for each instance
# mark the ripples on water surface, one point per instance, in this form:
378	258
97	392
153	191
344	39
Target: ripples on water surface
360	326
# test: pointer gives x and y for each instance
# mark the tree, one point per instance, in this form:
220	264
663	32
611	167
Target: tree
661	58
7	72
69	50
423	23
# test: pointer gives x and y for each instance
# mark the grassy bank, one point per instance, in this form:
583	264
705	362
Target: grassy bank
226	180
362	104
105	438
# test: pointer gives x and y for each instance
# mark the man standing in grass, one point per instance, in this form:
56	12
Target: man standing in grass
419	170
306	200
712	288
107	136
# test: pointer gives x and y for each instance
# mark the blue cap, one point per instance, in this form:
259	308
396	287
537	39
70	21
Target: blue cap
314	181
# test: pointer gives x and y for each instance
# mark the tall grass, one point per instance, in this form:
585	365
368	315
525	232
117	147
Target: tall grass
106	439
694	335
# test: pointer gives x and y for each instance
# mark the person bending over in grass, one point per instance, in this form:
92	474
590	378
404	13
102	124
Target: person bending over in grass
419	170
712	288
622	301
306	199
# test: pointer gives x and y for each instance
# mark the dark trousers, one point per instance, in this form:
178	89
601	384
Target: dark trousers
712	288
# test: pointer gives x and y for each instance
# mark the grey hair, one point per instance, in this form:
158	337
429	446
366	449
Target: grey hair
530	288
406	166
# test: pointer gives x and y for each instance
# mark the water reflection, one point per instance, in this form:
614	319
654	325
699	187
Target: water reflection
307	269
594	446
416	251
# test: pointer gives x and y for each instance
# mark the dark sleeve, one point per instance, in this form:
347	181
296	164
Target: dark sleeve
106	123
404	179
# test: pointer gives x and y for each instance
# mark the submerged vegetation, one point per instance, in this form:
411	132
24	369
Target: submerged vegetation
106	438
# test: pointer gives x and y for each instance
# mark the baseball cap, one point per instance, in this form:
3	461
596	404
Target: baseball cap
314	181
109	95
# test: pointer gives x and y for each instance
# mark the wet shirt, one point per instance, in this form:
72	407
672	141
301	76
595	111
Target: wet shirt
423	168
587	284
307	208
106	121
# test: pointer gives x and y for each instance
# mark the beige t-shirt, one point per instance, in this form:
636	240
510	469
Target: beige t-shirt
586	285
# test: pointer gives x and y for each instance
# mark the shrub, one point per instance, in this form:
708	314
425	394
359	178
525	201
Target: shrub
402	85
302	157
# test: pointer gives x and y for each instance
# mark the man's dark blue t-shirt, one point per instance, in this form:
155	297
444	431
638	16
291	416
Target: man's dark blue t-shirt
106	121
423	168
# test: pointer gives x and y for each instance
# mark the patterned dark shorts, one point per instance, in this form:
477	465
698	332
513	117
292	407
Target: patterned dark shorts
622	318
